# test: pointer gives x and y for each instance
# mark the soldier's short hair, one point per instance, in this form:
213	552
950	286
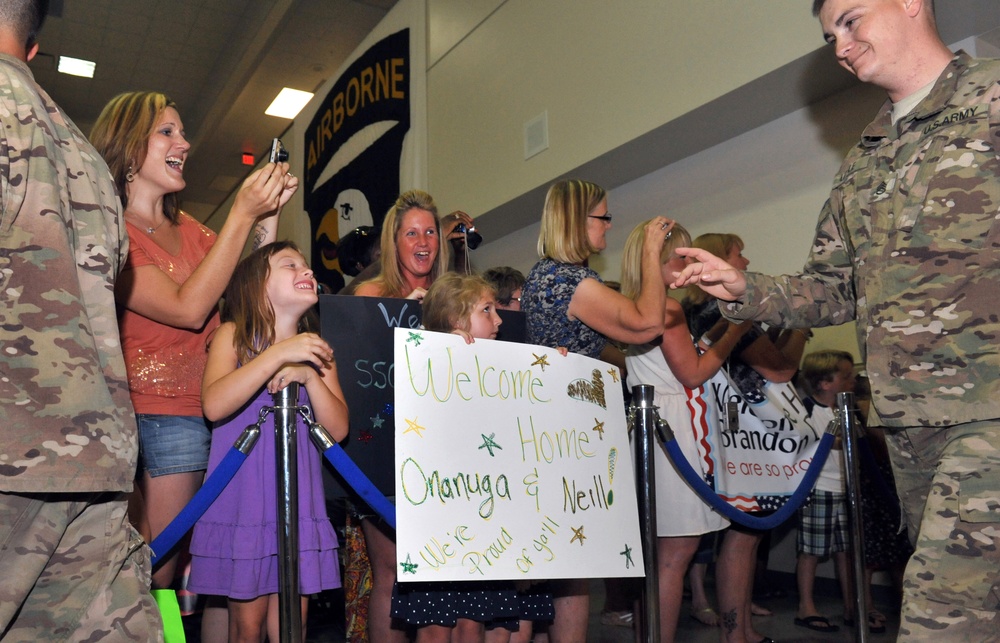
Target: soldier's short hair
818	6
357	249
25	18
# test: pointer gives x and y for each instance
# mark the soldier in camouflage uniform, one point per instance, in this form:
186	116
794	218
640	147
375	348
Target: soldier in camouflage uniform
908	245
71	566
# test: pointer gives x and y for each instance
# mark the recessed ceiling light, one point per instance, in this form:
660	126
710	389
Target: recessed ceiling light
76	66
288	103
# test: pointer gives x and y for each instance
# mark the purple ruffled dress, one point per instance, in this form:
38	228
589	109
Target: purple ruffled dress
234	546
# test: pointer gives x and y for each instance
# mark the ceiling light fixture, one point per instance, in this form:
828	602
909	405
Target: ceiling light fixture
76	67
288	103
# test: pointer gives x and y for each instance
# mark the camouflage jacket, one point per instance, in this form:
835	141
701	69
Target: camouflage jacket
909	245
66	422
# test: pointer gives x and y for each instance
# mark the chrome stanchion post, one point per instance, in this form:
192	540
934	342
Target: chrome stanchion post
852	479
645	429
286	453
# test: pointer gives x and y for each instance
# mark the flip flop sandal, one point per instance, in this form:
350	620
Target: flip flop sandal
876	622
817	624
705	616
874	625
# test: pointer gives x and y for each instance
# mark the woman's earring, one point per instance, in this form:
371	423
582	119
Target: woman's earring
130	175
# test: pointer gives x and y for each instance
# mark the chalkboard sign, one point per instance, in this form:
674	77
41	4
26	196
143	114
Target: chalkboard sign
360	330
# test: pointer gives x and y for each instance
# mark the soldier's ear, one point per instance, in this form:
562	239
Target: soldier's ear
32	51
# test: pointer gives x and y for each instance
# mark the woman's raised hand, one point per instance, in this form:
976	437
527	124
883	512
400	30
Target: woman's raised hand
658	230
264	191
451	221
291	185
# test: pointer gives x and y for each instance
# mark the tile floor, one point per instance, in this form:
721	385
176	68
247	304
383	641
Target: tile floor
326	622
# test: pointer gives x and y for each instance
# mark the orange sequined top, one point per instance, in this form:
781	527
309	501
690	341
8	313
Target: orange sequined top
165	364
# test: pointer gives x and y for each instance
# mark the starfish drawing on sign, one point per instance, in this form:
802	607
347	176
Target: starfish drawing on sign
577	534
599	427
613	372
365	436
416	338
541	360
377	421
412	426
489	443
409	567
628	556
387	409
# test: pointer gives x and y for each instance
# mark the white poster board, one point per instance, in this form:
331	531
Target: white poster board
512	462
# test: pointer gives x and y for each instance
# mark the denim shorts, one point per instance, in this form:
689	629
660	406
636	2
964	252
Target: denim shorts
172	444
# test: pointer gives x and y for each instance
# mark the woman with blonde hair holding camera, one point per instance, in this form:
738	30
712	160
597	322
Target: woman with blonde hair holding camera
167	295
412	255
412	258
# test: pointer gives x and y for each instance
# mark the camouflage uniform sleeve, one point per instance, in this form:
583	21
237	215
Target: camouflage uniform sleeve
822	295
12	170
66	420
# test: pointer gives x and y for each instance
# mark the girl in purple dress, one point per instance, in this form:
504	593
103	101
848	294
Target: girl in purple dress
267	341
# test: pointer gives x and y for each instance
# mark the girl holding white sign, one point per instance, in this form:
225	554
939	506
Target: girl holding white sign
268	340
677	370
412	258
466	611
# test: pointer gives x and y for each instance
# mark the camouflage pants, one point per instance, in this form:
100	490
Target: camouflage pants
73	569
948	481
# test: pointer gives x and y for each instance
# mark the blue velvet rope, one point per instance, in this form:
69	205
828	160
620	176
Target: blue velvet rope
361	485
225	472
214	484
732	513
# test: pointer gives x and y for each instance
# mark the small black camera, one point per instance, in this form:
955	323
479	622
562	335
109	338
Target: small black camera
278	152
472	238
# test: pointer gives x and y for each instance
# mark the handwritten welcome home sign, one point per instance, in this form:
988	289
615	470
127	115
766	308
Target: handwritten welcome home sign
512	462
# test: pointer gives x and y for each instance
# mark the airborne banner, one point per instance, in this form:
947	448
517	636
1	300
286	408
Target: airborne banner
353	148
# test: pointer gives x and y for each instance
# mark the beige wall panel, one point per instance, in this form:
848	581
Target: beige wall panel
606	72
449	21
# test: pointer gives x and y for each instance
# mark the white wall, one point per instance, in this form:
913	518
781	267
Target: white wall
766	185
606	72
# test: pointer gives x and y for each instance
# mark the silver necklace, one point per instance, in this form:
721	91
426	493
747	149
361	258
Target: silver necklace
151	229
